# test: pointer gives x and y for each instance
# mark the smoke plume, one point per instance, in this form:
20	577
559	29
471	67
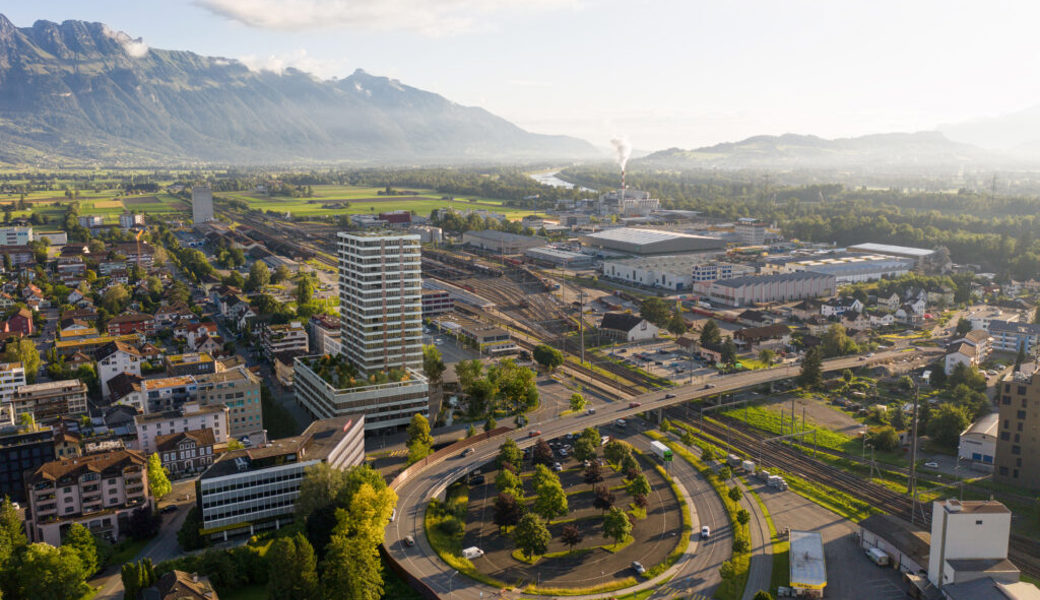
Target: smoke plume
623	149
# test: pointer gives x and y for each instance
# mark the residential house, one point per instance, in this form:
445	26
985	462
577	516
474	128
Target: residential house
51	400
160	393
20	323
710	353
171	314
839	306
113	359
284	366
209	345
186	451
891	303
191	363
854	320
6	301
626	327
806	309
755	318
71	270
178	585
879	319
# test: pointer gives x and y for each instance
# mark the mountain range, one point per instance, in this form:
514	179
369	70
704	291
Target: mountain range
80	93
913	150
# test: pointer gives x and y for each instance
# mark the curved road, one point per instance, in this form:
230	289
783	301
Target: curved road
414	494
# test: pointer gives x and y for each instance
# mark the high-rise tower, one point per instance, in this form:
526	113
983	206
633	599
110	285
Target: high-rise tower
380	291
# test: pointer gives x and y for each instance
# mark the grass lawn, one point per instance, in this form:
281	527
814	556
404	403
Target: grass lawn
126	550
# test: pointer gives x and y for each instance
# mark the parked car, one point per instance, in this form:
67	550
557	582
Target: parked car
932	464
169	508
638	567
476	480
557	467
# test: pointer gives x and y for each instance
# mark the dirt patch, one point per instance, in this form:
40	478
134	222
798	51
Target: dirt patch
135	200
655	536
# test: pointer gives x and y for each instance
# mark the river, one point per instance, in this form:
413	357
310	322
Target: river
550	178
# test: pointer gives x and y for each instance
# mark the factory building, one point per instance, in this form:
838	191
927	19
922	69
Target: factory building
628	203
668	272
650	242
742	291
969	542
555	257
920	256
978	443
853	268
750	232
501	242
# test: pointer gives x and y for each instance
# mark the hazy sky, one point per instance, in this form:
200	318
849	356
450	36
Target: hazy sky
664	73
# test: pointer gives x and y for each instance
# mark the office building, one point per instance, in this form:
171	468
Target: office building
969	542
98	491
380	300
16	236
12	377
330	387
324	334
714	271
22	450
91	221
239	390
190	417
201	204
49	401
254	489
1018	437
436	302
750	232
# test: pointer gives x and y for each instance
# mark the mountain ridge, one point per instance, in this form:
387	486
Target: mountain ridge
789	150
80	92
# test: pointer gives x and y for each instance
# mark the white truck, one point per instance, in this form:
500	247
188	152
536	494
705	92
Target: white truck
662	451
748	466
733	461
878	556
777	482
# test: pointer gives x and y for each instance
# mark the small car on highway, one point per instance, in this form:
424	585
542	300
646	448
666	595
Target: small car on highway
669	396
634	404
638	567
705	532
535	433
408	541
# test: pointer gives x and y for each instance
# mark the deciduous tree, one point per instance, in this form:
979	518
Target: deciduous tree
531	536
507	510
812	374
616	525
158	483
547	356
710	333
571	536
577	402
550	501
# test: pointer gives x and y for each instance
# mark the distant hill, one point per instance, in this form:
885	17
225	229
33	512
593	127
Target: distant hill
78	92
808	151
1016	133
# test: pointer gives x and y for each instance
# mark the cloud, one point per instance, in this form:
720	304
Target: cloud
529	83
134	47
431	17
297	59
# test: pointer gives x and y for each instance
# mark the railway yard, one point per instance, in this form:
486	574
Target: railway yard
529	304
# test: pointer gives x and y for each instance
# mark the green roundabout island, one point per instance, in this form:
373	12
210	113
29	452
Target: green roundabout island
562	519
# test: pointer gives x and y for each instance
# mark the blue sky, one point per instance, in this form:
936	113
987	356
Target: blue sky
663	73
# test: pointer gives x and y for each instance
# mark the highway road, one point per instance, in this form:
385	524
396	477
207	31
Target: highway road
415	493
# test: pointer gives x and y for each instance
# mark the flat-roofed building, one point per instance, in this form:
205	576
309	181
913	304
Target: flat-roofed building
742	291
16	236
808	565
750	232
324	334
920	256
501	242
49	401
555	257
1007	336
286	337
969	542
12	377
201	204
98	491
239	390
326	390
668	272
436	302
651	242
191	363
22	450
254	489
1018	433
190	417
160	394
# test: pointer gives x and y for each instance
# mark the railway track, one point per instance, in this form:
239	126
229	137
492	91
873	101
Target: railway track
1024	552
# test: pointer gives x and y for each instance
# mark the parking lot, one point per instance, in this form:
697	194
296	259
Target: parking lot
850	574
664	359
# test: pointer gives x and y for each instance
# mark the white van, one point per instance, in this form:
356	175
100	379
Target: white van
878	557
472	552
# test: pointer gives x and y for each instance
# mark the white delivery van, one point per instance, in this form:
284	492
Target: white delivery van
472	552
878	556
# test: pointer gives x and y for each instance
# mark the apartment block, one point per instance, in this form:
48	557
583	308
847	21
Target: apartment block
380	286
161	393
99	491
193	363
1018	433
251	490
12	377
16	236
49	401
191	417
201	204
287	337
238	389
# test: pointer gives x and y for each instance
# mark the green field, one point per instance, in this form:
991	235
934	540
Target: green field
108	204
359	200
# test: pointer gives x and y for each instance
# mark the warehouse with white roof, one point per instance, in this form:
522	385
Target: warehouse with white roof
808	565
650	242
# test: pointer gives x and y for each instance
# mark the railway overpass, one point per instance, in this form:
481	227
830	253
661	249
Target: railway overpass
424	482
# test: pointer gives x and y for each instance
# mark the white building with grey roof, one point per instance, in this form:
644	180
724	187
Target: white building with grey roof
651	242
